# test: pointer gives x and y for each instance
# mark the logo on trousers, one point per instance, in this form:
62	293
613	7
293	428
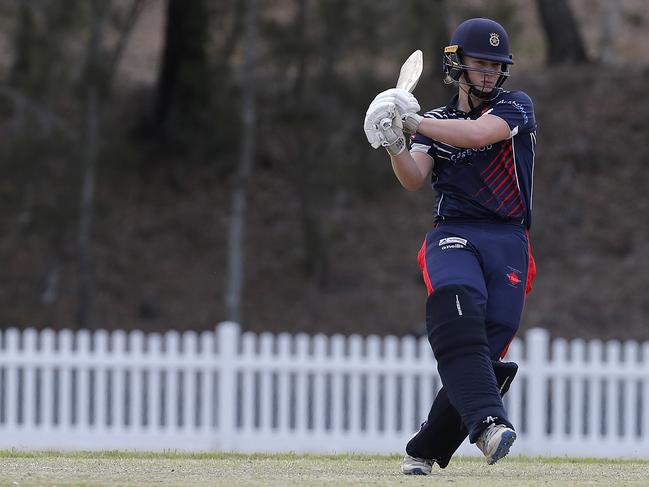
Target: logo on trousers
513	276
452	243
452	240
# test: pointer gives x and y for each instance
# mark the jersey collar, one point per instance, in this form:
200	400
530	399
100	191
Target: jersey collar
477	111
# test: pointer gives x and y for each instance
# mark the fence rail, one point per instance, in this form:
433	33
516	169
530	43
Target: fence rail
228	390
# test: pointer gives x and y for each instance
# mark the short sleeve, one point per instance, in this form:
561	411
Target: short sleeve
421	143
517	109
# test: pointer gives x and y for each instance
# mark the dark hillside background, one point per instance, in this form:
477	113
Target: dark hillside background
122	133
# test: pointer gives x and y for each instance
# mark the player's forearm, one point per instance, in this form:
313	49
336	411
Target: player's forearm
407	171
460	133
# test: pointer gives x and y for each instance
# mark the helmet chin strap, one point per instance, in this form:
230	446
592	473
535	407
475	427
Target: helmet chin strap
474	91
469	95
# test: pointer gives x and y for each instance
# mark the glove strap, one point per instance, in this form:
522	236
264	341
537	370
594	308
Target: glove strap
397	147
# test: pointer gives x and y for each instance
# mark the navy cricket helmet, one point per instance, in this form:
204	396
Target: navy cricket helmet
482	39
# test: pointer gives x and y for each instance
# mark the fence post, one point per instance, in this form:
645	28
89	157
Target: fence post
537	388
227	334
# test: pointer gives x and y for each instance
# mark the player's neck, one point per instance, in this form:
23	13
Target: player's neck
463	101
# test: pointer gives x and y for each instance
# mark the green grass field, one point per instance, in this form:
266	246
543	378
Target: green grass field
129	468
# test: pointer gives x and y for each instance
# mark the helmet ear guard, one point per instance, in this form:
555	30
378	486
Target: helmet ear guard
452	64
504	74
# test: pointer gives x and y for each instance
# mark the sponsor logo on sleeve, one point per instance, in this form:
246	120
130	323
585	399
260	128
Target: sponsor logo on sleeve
517	106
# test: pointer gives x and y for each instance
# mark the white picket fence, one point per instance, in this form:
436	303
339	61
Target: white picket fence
227	390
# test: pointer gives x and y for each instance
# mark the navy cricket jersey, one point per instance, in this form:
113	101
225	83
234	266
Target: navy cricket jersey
486	183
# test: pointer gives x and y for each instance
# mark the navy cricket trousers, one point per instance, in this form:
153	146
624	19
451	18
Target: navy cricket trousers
493	260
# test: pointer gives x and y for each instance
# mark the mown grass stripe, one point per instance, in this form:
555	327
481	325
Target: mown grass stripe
175	454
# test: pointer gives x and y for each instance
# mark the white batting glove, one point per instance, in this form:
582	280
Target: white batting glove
404	100
378	115
383	127
410	122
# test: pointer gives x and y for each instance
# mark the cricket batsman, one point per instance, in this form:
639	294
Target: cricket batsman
478	152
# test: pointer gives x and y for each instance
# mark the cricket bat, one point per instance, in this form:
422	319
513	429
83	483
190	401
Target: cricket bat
411	71
408	77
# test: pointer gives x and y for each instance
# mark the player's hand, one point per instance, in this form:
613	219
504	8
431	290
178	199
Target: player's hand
404	100
410	122
379	114
383	127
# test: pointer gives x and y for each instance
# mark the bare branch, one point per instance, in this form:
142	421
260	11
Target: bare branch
46	118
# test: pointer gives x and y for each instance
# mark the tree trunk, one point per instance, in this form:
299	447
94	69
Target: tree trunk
305	169
611	23
85	312
564	42
22	65
236	244
97	79
184	82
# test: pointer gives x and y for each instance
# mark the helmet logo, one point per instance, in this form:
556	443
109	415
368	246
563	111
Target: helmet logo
494	39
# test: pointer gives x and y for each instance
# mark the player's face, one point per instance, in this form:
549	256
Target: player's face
482	74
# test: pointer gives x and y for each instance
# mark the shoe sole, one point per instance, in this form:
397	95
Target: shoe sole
506	441
415	471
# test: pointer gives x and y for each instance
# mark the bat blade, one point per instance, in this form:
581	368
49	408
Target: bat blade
409	75
411	71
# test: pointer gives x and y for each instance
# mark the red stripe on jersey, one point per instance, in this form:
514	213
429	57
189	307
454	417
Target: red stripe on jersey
506	159
502	167
512	192
496	168
495	159
480	191
502	203
501	172
513	212
497	188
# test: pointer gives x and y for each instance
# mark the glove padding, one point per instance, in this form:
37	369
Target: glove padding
404	100
383	127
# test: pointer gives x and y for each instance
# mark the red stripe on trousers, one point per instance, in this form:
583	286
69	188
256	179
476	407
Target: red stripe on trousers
421	259
531	274
504	352
531	266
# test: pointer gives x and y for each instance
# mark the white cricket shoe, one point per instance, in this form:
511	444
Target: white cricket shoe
495	442
416	466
